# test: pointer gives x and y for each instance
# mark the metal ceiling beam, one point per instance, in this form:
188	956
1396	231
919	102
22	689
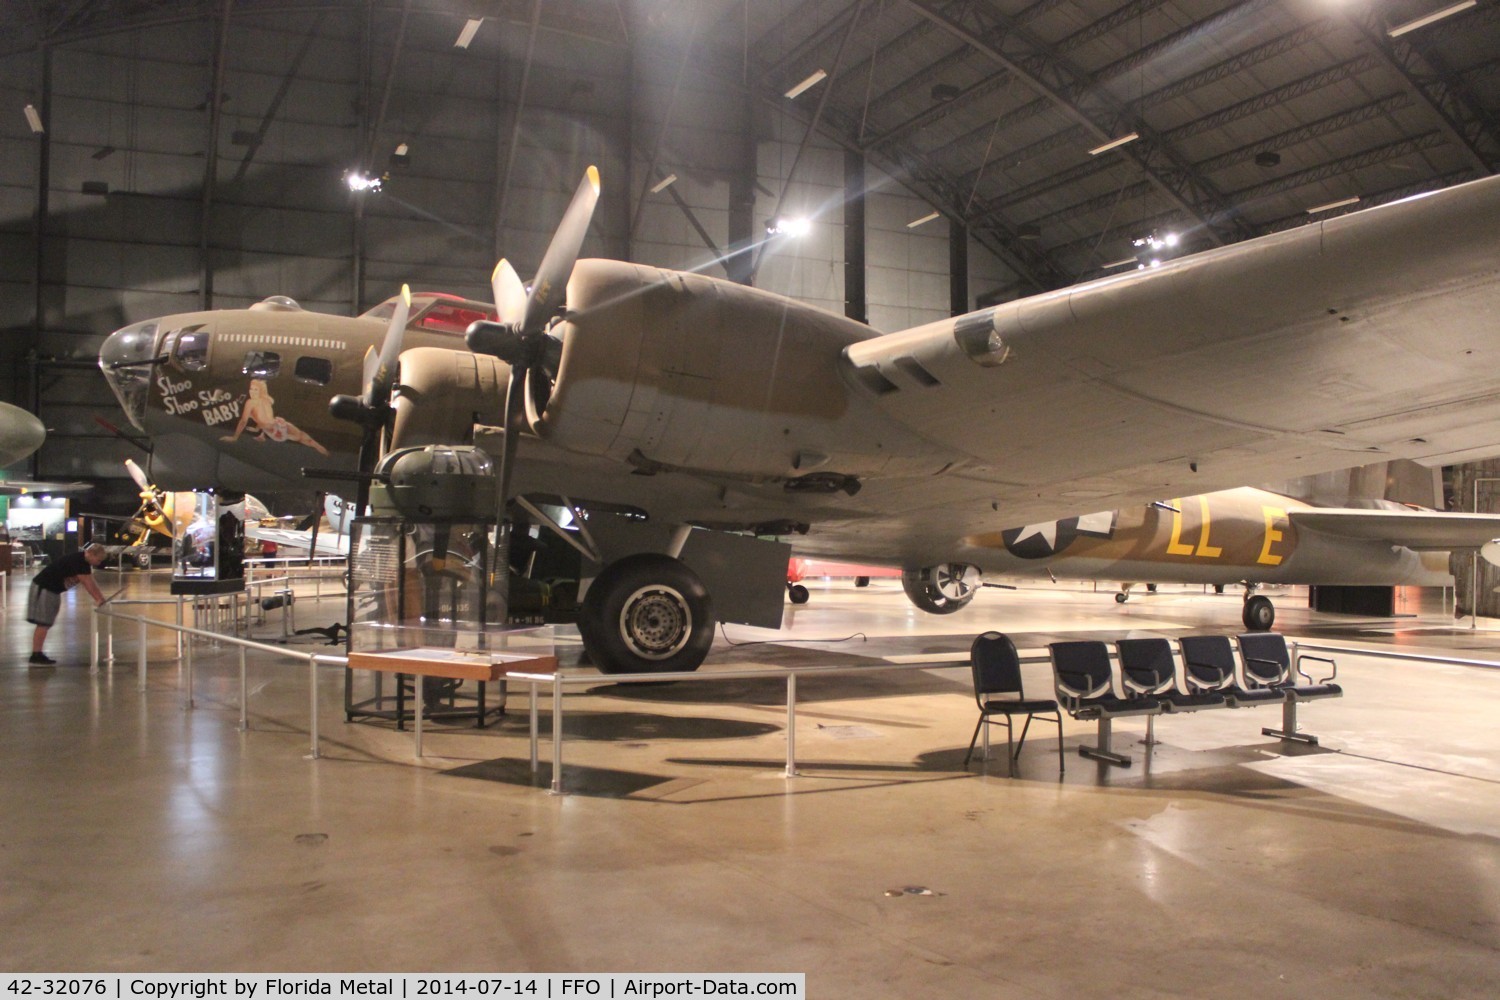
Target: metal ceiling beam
1444	97
1228	68
1207	123
1163	167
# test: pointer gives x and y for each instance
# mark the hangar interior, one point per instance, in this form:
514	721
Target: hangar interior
894	161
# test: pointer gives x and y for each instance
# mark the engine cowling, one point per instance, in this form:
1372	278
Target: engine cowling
442	393
683	371
944	588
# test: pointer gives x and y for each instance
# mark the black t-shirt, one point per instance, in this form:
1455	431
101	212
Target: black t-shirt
54	576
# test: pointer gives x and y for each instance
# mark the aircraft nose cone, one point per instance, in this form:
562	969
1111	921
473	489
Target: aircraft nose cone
128	360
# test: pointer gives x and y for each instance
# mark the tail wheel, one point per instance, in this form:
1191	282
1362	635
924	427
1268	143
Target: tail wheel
1260	614
797	594
646	613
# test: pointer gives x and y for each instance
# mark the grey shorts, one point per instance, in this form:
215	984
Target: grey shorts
42	605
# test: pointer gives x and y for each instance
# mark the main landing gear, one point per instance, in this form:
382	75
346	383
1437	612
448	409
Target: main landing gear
646	613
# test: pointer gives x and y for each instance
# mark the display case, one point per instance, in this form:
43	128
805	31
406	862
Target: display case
420	607
208	555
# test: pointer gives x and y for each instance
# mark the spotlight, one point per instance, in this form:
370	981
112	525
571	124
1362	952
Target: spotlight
358	181
788	227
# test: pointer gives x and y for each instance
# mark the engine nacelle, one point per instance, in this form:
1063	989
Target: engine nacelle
944	588
443	393
680	371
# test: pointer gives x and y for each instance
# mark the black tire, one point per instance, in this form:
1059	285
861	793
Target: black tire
797	594
1121	597
1260	614
1218	588
924	588
646	613
861	581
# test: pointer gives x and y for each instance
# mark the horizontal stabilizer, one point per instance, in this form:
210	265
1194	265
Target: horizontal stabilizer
1418	530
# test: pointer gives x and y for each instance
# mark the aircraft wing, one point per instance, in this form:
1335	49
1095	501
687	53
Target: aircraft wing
329	543
1420	530
23	487
1369	336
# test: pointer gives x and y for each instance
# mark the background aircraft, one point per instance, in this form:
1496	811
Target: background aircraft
693	420
21	433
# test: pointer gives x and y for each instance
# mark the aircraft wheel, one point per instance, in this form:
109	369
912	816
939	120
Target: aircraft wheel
1218	588
646	613
798	594
1260	614
1121	597
942	589
861	581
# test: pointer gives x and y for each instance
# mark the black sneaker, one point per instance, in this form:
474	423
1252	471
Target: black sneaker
41	660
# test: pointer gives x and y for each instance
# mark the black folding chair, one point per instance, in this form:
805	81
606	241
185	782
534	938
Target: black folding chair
999	693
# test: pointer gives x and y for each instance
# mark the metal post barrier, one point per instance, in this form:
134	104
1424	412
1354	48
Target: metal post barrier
187	662
418	704
179	625
140	654
557	728
791	725
312	691
534	698
94	642
109	640
244	695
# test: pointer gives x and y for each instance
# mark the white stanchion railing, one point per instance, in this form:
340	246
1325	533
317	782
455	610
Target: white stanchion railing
561	678
185	635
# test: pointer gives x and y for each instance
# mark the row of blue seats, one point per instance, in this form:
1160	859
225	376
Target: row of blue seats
1149	682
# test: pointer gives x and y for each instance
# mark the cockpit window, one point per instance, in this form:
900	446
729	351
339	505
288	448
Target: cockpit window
190	349
318	371
262	364
451	317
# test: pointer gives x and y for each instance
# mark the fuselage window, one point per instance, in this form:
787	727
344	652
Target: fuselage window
190	350
262	364
318	371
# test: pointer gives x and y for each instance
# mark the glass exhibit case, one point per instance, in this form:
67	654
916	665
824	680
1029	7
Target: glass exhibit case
420	606
208	555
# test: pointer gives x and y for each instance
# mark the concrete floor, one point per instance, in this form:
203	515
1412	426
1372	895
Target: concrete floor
139	835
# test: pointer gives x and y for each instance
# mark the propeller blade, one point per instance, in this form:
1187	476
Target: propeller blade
551	282
510	294
380	371
515	399
139	476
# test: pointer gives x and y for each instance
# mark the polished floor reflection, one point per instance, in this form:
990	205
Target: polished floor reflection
142	834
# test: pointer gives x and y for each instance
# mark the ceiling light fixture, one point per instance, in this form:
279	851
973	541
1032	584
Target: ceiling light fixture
817	77
1119	263
358	180
1114	143
471	27
788	227
33	118
1427	19
1333	204
664	183
914	223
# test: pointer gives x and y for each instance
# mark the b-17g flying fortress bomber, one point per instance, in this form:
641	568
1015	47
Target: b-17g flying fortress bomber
692	420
